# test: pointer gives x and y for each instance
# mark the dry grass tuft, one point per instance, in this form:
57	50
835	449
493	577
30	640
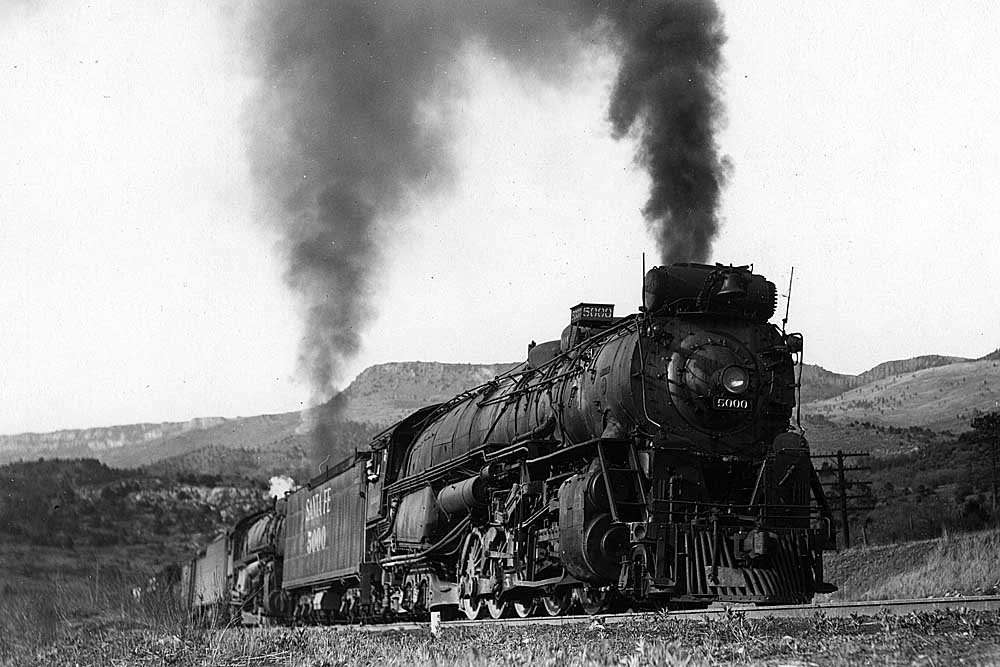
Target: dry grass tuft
965	564
958	565
653	640
97	621
39	614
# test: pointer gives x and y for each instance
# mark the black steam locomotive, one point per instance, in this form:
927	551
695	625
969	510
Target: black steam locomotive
646	461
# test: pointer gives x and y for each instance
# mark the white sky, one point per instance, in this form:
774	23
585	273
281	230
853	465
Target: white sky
136	285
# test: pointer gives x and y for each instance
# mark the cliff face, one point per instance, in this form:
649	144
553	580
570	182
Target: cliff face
81	442
819	383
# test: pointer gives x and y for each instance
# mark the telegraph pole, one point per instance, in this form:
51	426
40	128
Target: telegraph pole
989	426
993	452
842	484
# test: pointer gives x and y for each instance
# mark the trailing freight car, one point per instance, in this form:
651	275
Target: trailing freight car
205	581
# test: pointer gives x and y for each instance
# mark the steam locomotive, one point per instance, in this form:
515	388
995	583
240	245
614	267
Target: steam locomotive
646	461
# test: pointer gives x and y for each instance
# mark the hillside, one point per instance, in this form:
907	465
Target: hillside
819	383
290	441
955	565
943	398
901	366
84	503
385	393
992	356
250	453
262	432
84	442
826	437
840	411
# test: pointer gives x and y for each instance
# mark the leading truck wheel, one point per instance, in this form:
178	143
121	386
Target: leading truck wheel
470	568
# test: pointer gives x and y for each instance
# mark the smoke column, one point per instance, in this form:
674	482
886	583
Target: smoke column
348	126
667	88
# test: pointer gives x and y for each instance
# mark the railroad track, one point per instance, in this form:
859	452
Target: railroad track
828	609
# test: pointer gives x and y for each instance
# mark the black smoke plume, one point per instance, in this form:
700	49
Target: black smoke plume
348	125
668	89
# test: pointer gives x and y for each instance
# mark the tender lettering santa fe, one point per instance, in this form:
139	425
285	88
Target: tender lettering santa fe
317	506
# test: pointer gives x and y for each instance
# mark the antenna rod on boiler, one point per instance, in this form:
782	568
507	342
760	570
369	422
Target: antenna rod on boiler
788	300
642	291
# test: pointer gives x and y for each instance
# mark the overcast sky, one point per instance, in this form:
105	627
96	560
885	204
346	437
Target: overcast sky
136	283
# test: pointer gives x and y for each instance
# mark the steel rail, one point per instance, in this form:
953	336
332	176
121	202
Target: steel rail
716	611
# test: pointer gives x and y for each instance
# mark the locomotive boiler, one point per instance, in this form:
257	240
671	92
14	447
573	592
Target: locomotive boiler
644	461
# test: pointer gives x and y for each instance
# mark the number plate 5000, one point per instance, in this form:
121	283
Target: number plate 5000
722	403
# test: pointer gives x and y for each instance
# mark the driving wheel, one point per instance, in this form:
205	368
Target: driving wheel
558	602
595	600
470	567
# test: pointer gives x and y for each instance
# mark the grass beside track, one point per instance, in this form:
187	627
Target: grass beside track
89	616
934	638
963	564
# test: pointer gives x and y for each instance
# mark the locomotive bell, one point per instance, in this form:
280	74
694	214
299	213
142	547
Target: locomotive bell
732	286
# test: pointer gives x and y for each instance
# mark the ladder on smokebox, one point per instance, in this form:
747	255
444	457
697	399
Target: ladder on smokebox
632	471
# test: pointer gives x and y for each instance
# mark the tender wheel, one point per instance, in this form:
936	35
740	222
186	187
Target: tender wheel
525	608
558	602
470	566
595	600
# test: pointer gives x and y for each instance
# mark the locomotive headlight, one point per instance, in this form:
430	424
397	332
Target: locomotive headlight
735	380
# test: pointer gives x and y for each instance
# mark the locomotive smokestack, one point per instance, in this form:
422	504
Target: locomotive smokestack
347	126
